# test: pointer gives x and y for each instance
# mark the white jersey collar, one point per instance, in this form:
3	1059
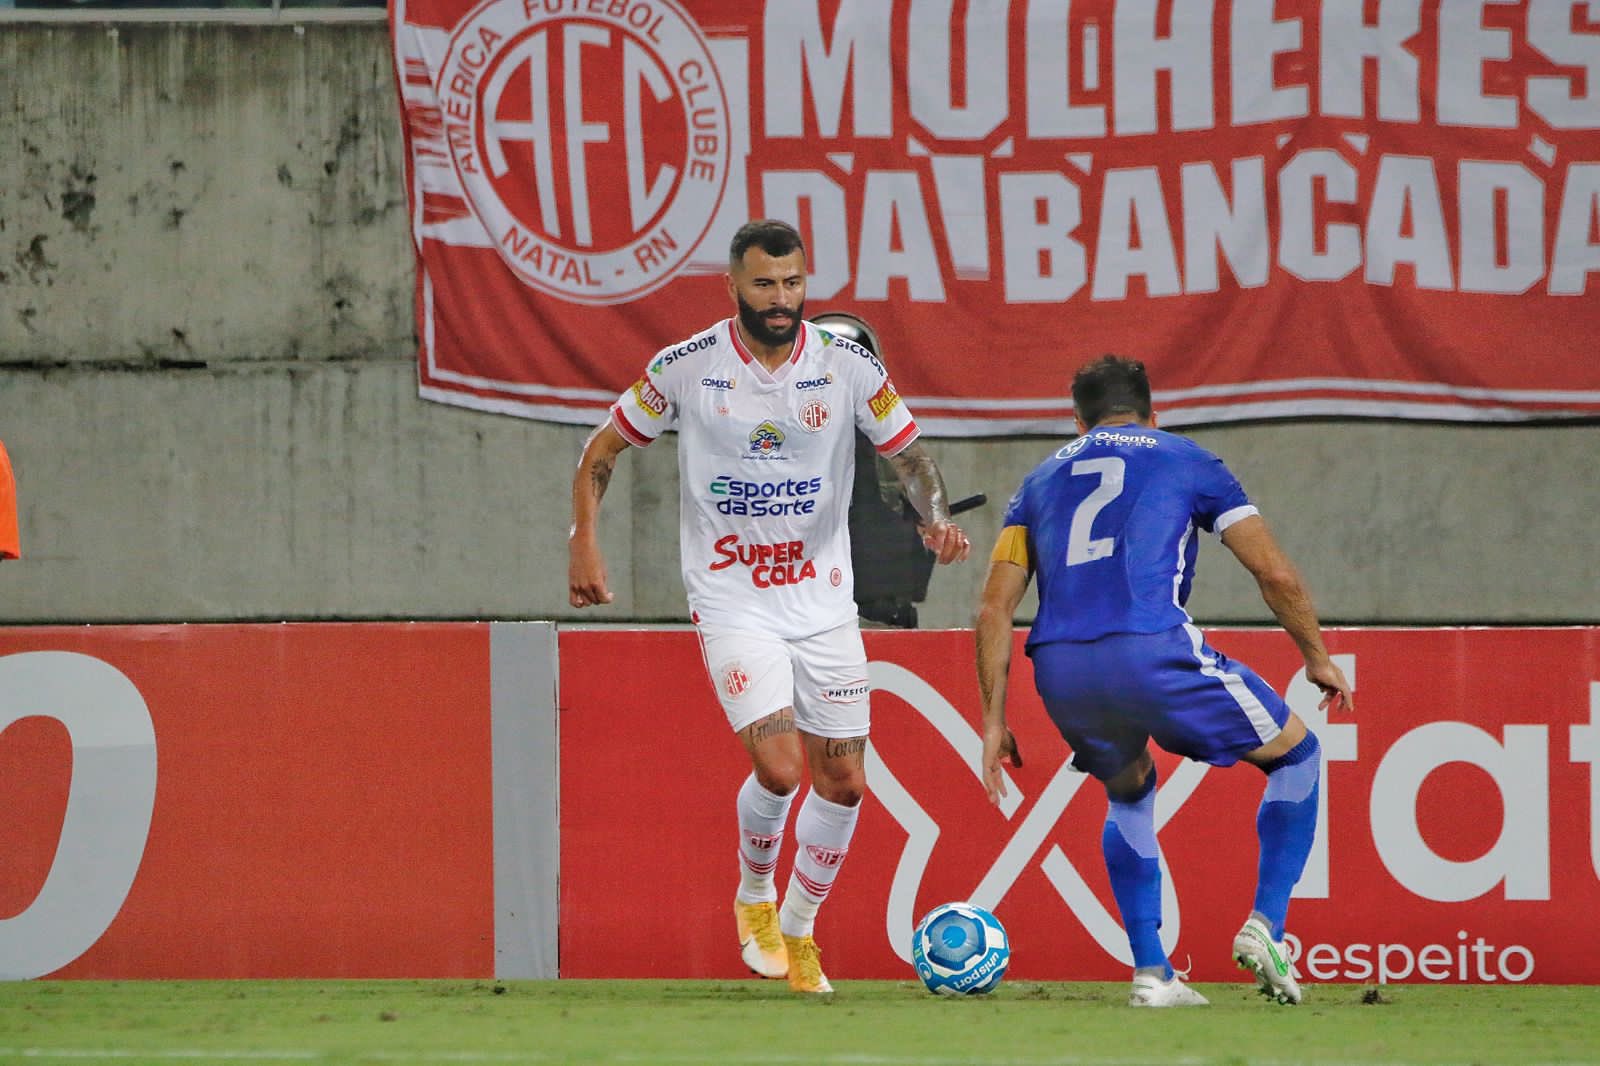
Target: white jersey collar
800	339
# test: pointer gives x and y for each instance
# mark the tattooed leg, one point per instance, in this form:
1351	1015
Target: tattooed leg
838	767
775	753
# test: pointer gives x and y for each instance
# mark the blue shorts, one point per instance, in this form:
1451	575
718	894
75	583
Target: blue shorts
1110	697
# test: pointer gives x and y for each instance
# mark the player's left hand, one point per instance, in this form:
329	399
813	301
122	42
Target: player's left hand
947	541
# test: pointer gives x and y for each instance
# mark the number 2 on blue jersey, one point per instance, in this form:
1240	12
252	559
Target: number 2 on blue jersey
1081	546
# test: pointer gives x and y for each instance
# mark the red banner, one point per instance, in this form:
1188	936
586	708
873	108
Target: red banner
1458	842
1287	208
323	807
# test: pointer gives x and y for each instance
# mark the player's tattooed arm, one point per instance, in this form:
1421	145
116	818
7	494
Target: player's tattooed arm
587	584
600	472
593	476
924	487
923	484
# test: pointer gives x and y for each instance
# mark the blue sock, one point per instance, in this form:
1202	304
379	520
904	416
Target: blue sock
1286	825
1129	844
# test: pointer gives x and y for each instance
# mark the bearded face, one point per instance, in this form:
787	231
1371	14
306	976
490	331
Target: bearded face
772	327
770	293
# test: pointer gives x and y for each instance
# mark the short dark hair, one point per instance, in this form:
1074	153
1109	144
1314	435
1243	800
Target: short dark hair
769	234
1111	385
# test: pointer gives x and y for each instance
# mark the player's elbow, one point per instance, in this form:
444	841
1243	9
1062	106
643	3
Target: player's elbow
1279	581
992	615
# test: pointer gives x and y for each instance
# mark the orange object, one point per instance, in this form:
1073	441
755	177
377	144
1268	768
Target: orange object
9	546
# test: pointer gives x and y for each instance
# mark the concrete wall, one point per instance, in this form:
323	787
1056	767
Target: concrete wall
207	388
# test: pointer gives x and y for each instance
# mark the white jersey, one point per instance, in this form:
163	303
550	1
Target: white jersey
766	462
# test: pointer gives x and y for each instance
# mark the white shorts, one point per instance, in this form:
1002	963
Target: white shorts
823	677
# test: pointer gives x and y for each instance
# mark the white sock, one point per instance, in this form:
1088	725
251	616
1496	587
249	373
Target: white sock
822	831
762	815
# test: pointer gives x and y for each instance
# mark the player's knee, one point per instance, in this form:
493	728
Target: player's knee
1293	734
844	785
846	793
1308	749
779	776
1134	781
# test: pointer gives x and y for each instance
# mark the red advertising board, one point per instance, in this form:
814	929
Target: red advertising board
315	801
246	801
1459	841
1286	208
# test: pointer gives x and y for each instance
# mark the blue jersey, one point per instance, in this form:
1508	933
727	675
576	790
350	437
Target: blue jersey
1111	523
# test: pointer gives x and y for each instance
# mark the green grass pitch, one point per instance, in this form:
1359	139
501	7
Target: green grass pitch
730	1023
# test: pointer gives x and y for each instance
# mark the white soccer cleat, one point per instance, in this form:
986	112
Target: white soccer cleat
760	941
1256	951
1151	991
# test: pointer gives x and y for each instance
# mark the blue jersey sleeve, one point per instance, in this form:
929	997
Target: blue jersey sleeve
1217	495
1017	507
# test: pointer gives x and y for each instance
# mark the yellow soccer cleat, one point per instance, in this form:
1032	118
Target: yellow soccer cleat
760	941
805	967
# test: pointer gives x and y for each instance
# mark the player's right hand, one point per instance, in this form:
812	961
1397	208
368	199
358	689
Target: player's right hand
1336	692
998	743
587	584
946	540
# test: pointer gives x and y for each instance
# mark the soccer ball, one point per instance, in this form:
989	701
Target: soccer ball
960	950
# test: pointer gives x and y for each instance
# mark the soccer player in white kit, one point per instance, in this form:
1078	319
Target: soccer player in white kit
766	406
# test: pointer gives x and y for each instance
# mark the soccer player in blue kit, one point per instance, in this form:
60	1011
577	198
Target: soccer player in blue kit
1109	525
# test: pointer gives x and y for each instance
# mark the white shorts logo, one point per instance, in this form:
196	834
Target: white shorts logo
850	692
734	680
591	138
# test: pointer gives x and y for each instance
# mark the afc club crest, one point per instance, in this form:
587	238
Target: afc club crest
814	415
590	137
734	680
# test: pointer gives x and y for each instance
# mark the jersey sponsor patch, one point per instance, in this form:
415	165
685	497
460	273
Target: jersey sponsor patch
649	398
1114	437
1069	450
666	359
766	439
851	346
761	499
884	400
783	563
